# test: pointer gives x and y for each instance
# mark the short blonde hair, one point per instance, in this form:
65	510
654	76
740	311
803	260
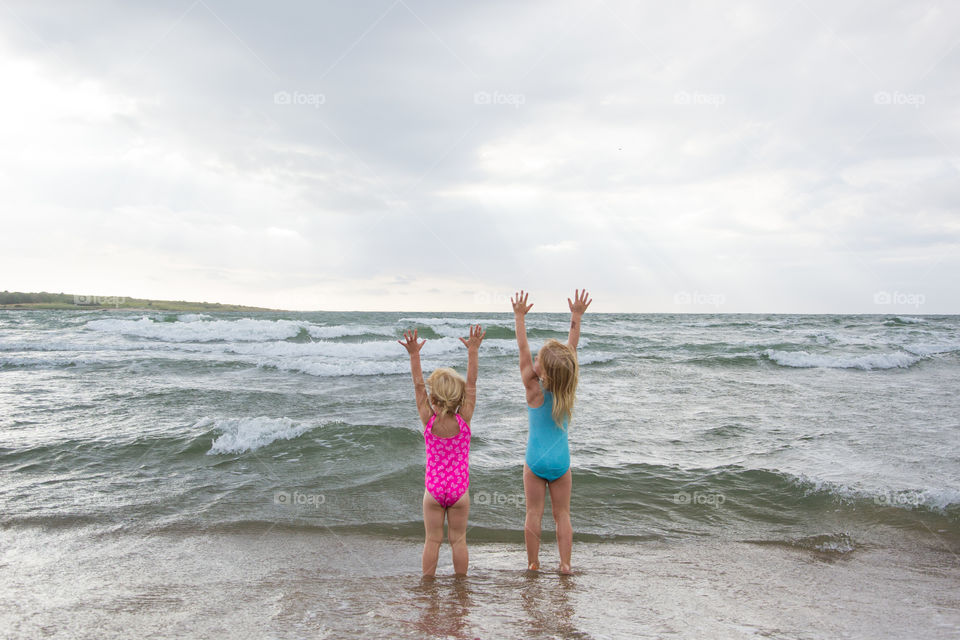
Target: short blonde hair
447	388
558	363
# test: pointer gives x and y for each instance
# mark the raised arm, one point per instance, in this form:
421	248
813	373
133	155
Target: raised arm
420	389
530	381
473	369
578	307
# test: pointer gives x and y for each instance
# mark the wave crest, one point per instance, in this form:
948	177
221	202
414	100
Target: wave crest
866	362
249	433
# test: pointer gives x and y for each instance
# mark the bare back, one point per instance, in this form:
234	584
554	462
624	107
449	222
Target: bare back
446	426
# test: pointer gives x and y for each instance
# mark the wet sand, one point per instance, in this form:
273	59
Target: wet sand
273	584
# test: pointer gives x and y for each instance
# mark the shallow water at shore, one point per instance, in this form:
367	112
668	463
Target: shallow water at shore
287	585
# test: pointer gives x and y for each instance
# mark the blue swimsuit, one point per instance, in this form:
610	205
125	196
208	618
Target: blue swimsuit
548	452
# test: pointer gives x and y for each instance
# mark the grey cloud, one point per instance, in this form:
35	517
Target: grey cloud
618	117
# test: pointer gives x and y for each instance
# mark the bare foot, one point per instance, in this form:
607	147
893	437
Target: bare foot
565	569
534	566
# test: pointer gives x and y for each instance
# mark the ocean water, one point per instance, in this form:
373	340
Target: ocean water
830	436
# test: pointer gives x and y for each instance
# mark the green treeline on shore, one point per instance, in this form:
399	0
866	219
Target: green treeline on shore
45	300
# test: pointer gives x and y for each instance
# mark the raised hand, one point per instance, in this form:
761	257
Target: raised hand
410	342
476	337
579	303
520	306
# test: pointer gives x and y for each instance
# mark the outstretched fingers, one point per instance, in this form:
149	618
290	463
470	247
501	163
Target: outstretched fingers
581	300
476	336
410	341
584	299
519	302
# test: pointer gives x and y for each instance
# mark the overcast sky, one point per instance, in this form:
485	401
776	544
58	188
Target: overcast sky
410	155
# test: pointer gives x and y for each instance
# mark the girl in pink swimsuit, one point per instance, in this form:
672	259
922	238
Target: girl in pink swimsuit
446	415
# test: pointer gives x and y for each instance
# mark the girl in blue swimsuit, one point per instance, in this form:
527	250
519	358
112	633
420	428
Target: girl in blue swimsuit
551	385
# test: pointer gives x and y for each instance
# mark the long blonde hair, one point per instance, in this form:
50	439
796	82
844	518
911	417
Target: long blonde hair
558	363
447	388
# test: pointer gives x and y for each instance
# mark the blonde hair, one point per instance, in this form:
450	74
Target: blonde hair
558	363
447	388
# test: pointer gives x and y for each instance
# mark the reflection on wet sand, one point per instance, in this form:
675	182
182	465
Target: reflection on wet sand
546	601
535	604
444	606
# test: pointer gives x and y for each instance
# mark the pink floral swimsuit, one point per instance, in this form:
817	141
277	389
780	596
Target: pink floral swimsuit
447	476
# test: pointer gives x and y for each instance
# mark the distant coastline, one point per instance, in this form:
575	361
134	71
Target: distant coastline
18	300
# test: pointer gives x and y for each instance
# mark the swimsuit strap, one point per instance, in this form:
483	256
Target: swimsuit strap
460	423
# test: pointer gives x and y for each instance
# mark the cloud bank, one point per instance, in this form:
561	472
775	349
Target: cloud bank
401	155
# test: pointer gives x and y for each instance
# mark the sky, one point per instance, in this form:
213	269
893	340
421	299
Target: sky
769	157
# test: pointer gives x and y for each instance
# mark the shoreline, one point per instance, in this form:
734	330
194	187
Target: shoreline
290	585
185	309
46	301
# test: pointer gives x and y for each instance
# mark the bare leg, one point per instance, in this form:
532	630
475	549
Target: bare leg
560	505
433	525
535	492
457	515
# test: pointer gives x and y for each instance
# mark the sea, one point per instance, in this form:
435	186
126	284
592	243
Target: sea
261	475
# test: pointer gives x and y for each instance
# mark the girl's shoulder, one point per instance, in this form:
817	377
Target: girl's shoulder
543	397
547	401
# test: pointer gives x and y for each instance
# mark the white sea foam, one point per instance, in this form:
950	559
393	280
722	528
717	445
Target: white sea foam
594	357
334	369
48	361
40	345
242	329
868	361
910	320
191	327
457	327
249	433
325	358
73	346
937	499
454	327
827	543
459	322
341	330
503	346
927	349
347	350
